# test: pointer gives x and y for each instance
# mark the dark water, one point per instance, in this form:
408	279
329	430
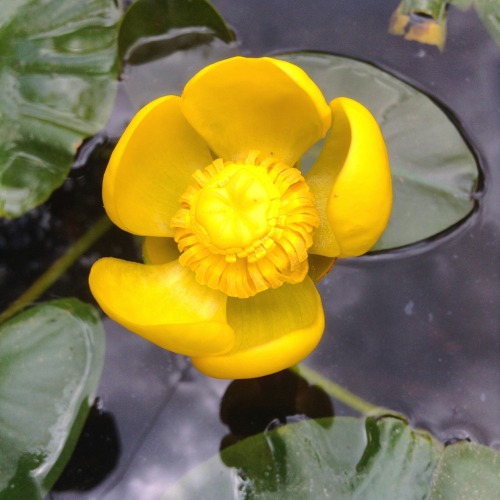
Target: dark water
416	330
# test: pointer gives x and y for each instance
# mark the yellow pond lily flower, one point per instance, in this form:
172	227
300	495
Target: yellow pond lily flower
232	228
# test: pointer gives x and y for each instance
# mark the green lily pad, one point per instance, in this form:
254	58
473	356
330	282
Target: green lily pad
57	86
348	458
434	172
165	42
467	471
51	357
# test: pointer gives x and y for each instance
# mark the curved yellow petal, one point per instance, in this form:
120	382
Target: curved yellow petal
244	104
273	331
351	182
157	250
164	304
151	167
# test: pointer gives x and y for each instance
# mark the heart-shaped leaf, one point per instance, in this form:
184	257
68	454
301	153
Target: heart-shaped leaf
434	171
57	86
51	357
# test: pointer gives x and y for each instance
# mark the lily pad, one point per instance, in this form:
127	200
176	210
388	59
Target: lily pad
51	357
348	458
163	43
435	173
57	86
467	471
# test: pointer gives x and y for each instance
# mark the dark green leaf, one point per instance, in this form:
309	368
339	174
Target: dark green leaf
434	171
51	357
157	24
344	458
165	42
57	86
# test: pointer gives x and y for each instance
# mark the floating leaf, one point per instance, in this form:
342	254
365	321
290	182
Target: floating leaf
348	458
51	357
434	171
165	42
57	86
467	471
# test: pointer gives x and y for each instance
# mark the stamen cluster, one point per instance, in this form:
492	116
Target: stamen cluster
243	228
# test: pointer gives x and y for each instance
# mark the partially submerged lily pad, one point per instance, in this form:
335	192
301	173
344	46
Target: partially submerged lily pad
51	357
57	86
434	172
348	458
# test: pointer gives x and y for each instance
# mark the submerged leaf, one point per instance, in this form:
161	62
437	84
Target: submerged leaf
51	357
57	86
434	172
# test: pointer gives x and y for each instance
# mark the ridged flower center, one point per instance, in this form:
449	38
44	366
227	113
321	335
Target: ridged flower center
236	208
246	227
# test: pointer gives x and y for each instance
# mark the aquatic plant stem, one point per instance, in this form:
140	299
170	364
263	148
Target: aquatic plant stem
336	391
54	272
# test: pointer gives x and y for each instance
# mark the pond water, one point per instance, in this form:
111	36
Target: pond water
415	330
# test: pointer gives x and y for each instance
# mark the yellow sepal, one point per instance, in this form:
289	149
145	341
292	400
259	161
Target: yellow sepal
164	304
273	331
244	104
151	167
351	182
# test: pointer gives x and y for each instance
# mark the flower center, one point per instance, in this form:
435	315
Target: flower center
236	207
246	227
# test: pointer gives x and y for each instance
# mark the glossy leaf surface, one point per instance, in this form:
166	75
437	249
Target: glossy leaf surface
57	86
341	458
434	171
51	357
156	19
165	42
